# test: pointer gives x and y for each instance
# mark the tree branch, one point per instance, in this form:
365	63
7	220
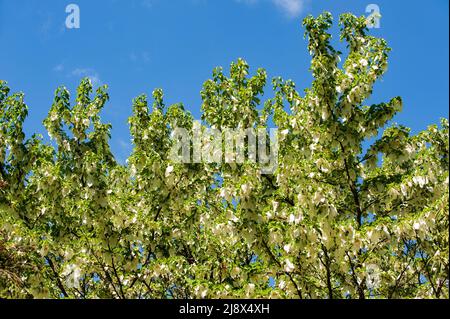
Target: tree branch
58	280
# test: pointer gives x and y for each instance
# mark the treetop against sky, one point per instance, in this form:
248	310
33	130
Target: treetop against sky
355	206
135	46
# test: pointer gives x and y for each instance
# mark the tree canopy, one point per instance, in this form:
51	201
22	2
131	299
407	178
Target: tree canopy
357	207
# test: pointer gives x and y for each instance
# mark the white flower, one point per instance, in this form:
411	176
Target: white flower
318	198
73	274
333	211
169	170
295	219
235	272
275	205
316	138
294	122
325	114
289	266
54	116
249	289
363	62
201	291
404	190
349	99
291	218
89	181
245	189
287	248
420	180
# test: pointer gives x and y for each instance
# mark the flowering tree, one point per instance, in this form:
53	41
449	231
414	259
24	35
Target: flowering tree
337	218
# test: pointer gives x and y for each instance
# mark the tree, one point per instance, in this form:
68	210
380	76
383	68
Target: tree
336	219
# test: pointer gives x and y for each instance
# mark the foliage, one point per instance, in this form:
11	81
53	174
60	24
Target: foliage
74	223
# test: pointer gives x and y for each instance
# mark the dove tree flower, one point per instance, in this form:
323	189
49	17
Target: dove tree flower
74	223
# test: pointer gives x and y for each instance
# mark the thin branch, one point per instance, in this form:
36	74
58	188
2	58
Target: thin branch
115	272
327	268
299	292
355	279
58	280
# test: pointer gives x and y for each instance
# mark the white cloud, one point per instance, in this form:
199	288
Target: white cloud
90	73
46	25
247	1
147	3
124	150
124	145
143	57
292	8
79	73
59	68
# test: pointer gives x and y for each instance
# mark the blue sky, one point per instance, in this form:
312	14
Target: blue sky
135	46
